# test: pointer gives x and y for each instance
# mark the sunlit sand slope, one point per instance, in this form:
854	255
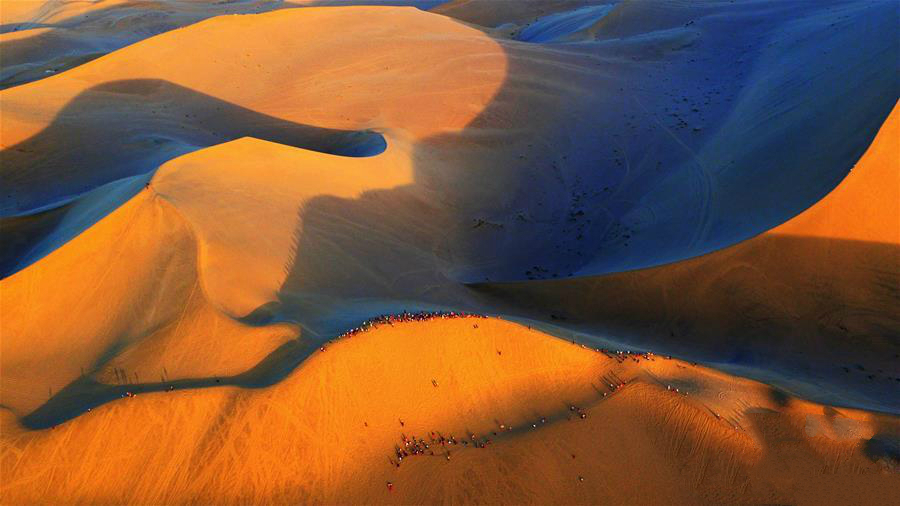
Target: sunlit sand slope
86	312
328	433
41	38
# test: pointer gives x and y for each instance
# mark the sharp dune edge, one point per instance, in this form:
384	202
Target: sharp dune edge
192	220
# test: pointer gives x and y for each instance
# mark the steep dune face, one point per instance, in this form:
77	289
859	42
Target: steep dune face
809	305
245	200
82	304
329	432
219	225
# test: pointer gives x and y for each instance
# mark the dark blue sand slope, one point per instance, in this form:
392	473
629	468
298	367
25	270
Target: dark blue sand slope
683	128
561	25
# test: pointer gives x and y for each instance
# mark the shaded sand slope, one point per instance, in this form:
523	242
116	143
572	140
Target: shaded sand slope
328	432
809	305
654	164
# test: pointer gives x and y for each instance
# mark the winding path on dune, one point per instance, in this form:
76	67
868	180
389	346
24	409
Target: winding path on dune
648	138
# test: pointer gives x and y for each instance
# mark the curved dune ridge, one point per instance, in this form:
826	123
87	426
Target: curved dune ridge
192	220
40	38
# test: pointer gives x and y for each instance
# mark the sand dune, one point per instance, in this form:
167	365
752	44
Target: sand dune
327	432
692	132
197	198
809	305
40	38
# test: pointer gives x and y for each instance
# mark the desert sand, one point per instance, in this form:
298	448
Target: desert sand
198	198
328	431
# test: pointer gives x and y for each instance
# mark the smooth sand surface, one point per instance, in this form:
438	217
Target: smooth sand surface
198	197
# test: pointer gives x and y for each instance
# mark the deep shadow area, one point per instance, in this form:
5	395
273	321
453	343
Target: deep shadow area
882	446
121	129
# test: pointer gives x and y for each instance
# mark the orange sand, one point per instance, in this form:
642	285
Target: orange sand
326	433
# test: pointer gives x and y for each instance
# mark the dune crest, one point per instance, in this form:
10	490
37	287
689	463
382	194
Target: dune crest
328	432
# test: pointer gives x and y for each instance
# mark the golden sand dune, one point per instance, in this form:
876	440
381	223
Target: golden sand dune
328	432
41	38
198	197
235	263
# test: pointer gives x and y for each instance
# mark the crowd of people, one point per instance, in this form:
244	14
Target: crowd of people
405	316
437	445
635	356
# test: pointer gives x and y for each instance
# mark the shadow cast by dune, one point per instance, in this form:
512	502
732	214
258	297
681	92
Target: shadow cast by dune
811	315
124	129
883	446
86	393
